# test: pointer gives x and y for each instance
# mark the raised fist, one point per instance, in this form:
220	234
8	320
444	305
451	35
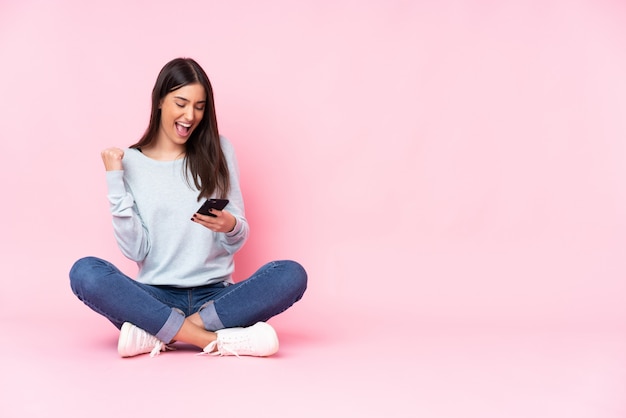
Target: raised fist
112	158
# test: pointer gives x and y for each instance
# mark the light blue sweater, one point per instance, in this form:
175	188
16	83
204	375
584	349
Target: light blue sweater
152	204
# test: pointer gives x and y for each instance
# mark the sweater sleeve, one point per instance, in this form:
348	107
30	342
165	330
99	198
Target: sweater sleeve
235	239
131	235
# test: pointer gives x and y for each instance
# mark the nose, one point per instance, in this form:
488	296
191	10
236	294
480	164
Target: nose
189	113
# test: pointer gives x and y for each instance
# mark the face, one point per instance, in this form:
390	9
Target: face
181	112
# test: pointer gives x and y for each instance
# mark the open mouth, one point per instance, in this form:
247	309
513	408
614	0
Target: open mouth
183	129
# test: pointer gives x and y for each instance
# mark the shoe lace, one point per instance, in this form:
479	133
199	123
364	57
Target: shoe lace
160	346
219	348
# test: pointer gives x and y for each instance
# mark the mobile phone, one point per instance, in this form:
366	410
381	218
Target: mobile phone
218	204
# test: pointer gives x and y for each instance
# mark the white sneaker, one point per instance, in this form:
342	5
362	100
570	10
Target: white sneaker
133	341
259	340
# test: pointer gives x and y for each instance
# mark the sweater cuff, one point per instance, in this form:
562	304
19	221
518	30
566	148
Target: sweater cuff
237	229
115	183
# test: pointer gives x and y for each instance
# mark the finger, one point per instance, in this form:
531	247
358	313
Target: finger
213	223
216	213
113	152
201	217
205	220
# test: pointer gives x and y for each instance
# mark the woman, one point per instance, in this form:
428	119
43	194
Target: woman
184	289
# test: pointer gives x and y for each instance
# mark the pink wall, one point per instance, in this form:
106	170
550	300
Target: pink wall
452	160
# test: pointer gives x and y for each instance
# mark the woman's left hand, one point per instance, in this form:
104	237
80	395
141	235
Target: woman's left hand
223	221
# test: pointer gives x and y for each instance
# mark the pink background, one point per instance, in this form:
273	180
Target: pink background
450	173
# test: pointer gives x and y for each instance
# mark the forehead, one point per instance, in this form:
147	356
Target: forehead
192	92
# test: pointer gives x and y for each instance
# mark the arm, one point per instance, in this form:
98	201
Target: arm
131	236
231	222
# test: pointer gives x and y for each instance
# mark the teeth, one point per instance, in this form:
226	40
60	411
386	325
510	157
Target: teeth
186	125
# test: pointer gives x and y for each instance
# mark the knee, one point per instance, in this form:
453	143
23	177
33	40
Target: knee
297	275
82	266
82	274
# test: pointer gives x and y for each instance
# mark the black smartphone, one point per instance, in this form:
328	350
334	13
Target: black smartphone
218	204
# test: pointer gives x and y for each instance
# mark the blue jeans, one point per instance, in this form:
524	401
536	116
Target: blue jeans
161	310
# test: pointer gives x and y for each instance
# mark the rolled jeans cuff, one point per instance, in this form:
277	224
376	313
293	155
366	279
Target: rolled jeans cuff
171	326
209	317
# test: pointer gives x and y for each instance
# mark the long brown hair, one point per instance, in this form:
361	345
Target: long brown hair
204	160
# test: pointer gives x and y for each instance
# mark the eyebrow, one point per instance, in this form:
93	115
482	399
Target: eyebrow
186	100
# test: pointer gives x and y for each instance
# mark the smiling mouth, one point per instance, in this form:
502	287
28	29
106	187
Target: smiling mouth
183	129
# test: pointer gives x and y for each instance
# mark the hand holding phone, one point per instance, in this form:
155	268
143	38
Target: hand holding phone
218	204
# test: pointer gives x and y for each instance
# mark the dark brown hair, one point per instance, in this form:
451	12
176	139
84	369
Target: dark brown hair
204	160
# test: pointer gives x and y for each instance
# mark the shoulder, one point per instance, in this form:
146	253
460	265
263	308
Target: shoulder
131	152
132	158
225	143
227	147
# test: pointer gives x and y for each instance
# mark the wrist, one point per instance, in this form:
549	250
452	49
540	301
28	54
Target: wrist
234	225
